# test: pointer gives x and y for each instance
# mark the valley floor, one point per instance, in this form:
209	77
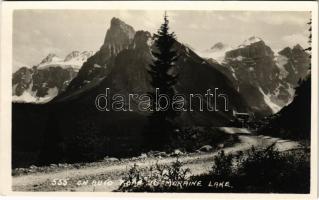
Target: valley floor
106	176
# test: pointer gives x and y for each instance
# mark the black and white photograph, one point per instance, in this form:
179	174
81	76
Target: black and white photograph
162	100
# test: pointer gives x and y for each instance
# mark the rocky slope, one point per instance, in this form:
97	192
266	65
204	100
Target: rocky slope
126	73
73	114
44	81
294	120
118	37
265	79
72	123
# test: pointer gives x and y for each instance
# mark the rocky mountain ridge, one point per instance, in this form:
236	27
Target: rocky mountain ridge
266	79
44	81
72	121
126	72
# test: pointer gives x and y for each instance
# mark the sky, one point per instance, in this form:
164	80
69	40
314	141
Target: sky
36	33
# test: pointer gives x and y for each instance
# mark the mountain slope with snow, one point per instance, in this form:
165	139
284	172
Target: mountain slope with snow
250	41
271	77
73	60
216	52
46	80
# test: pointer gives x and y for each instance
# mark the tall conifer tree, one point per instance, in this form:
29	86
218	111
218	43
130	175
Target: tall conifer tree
163	78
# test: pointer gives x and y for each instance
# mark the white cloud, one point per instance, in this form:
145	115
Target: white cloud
282	19
220	18
193	26
17	64
294	39
272	18
242	16
38	33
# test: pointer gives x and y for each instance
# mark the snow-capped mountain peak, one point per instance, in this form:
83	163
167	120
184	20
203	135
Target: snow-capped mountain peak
71	55
74	60
216	52
219	46
46	80
250	41
50	58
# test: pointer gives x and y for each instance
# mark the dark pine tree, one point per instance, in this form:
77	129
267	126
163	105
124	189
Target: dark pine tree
163	78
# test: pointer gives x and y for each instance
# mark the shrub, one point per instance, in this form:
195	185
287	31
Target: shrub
223	165
260	171
255	171
157	178
268	170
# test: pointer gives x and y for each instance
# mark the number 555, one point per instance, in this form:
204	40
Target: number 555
60	182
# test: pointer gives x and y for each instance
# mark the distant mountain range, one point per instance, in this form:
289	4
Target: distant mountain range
47	79
121	64
255	79
264	79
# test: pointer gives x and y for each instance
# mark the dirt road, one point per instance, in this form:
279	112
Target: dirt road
107	177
